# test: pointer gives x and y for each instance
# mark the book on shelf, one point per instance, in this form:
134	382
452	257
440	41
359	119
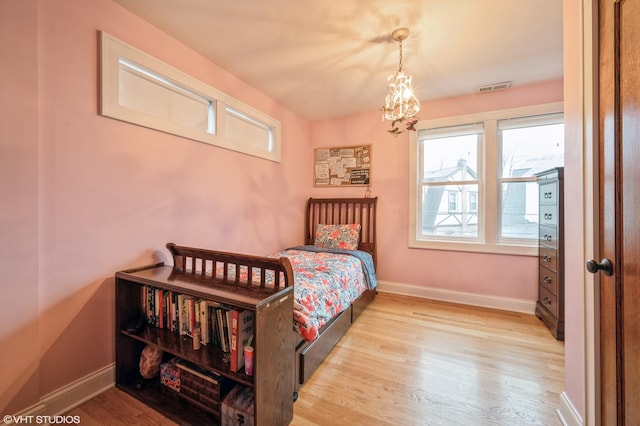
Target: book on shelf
150	305
229	315
213	326
183	314
191	303
223	329
203	313
241	332
160	307
175	322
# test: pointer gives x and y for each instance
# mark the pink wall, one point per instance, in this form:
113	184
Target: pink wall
19	381
479	273
91	195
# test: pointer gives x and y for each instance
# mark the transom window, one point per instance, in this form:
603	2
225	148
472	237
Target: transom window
140	89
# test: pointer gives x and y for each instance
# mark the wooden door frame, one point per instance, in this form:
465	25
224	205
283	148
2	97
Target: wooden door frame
588	118
590	42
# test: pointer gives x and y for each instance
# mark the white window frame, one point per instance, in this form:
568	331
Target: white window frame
488	202
249	123
518	123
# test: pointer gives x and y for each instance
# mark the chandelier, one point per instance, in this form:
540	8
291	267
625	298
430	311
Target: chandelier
400	104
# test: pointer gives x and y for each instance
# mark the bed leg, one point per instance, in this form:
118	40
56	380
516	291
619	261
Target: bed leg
295	396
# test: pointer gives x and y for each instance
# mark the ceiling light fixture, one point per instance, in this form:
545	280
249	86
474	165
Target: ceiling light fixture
400	104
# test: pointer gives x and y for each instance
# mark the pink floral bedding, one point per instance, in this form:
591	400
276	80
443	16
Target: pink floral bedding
325	283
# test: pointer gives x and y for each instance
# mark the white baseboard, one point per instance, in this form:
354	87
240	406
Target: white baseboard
567	413
495	302
70	396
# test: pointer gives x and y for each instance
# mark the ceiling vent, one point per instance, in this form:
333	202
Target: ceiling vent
494	87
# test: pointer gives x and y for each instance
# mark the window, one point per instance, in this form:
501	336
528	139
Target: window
473	202
472	179
142	90
449	165
528	146
453	201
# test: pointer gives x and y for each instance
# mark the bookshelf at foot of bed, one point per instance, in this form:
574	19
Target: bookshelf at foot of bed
312	339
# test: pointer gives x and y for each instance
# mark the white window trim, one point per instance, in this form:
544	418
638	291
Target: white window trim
487	186
113	49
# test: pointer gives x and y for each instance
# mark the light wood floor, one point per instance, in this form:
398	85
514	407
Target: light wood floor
409	361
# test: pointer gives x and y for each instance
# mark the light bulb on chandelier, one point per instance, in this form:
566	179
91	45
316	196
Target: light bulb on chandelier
401	105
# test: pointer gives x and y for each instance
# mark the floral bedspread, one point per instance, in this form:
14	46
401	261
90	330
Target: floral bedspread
325	284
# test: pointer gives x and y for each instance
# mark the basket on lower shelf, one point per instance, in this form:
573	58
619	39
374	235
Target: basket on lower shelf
237	407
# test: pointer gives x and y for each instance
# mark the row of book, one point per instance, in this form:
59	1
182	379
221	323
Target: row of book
225	327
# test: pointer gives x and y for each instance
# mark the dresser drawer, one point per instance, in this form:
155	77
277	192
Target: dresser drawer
548	280
548	215
548	257
549	301
548	193
549	236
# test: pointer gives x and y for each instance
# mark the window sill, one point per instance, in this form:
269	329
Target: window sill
507	249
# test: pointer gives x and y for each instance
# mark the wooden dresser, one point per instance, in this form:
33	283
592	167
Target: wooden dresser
550	305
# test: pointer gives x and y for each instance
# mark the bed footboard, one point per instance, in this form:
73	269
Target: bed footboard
232	269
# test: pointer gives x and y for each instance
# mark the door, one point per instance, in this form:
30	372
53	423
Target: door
619	143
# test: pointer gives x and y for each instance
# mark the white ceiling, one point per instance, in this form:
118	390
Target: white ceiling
329	58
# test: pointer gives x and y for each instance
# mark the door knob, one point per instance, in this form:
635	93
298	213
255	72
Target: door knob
605	266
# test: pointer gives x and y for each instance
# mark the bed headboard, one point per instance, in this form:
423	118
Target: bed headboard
335	211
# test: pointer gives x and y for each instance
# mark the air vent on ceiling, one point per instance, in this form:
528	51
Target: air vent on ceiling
494	87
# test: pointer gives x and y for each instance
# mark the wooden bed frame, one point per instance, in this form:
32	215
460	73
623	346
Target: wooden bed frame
197	264
333	211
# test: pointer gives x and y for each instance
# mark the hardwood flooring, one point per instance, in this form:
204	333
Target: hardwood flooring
409	361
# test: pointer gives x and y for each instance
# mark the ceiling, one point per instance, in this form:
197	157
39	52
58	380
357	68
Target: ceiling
329	58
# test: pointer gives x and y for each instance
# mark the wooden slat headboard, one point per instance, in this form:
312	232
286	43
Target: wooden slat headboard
334	211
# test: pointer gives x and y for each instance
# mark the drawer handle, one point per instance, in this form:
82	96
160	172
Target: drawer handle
548	195
547	237
547	301
547	279
546	258
548	216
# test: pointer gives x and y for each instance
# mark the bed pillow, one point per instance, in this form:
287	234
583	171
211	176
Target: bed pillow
338	236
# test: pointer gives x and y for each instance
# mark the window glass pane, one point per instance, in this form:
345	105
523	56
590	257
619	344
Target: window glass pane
529	150
247	131
452	158
141	92
448	211
520	210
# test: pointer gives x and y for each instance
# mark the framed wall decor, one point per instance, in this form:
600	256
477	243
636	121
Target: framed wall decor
342	166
